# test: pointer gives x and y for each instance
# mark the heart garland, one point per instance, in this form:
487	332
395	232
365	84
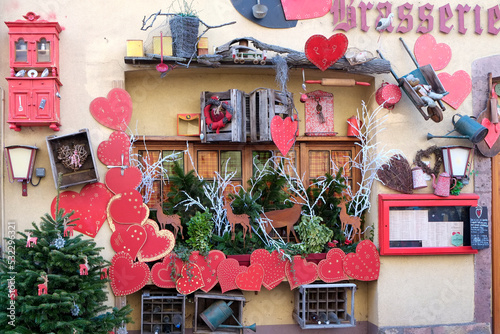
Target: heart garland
364	265
158	243
300	272
251	280
191	279
227	271
324	52
274	267
129	241
115	111
120	181
116	150
208	266
127	208
331	269
126	276
165	274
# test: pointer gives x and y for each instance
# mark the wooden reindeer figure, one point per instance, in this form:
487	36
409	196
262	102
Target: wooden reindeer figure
68	230
163	219
84	267
30	241
284	218
243	220
42	288
345	219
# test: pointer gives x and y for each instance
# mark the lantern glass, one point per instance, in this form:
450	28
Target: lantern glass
456	160
21	161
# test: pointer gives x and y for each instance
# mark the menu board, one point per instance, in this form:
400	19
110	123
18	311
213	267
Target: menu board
479	236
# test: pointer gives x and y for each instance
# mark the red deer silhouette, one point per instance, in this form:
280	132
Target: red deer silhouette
284	218
243	220
163	219
345	219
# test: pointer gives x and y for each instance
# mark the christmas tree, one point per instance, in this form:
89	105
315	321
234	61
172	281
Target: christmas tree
52	282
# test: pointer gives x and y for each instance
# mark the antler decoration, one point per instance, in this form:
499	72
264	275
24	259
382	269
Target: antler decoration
72	158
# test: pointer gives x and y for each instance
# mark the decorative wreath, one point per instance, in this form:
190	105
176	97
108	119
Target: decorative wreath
217	114
438	156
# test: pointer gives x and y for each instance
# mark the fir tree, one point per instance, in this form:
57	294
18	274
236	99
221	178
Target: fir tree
74	302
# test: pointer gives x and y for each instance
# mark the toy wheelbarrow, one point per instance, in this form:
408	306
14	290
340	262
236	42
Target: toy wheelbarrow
427	89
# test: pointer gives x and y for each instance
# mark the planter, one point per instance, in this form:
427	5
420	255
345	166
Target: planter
244	259
184	30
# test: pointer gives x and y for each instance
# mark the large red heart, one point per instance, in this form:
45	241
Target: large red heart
324	52
116	150
493	132
89	206
300	272
283	132
191	279
165	274
427	51
227	271
115	111
459	85
120	181
364	265
127	277
129	241
127	208
273	264
251	280
208	266
301	10
158	243
331	269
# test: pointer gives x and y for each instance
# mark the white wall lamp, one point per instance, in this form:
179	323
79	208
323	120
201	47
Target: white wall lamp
20	161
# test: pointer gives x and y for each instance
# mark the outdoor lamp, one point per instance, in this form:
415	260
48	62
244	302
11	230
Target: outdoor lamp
457	160
20	164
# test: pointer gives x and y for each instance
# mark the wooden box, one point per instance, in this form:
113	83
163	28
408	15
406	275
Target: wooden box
264	104
87	173
203	46
163	312
167	45
135	48
233	131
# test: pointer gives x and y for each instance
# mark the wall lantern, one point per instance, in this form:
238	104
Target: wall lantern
20	164
457	160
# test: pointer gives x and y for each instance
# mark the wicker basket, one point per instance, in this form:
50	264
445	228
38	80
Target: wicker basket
184	31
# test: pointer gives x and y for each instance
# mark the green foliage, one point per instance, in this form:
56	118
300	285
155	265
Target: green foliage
313	235
244	202
457	188
183	8
270	189
200	232
238	245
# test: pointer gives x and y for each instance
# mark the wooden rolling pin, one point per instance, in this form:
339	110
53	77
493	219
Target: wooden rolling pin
337	82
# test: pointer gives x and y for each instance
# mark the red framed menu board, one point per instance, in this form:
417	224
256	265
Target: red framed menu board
425	224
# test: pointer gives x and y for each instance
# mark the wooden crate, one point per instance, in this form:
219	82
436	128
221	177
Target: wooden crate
235	130
87	173
318	300
263	105
163	310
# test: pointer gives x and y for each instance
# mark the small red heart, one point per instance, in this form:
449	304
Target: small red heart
459	85
127	277
118	183
427	51
301	10
115	111
158	243
191	279
283	132
273	264
115	150
165	274
208	266
89	206
331	269
251	280
493	132
301	272
128	208
324	52
364	265
129	241
227	271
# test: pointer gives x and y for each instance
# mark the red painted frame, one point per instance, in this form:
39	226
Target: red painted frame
386	201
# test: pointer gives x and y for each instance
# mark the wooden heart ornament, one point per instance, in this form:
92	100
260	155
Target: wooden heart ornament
127	208
126	276
427	51
324	52
158	243
274	267
129	241
364	265
459	85
227	271
283	132
493	132
301	10
208	266
113	111
165	274
89	206
121	181
251	280
116	150
331	269
191	279
300	272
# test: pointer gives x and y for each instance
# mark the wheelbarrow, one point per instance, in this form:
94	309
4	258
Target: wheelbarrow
426	77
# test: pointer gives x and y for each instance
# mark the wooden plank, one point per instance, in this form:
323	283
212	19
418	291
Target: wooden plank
495	240
253	117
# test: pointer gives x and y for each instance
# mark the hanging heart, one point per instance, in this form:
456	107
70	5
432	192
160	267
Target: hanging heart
324	52
364	265
115	111
273	264
127	208
129	241
301	10
121	181
191	279
427	51
251	280
283	132
165	274
227	271
158	243
126	276
300	272
208	265
115	150
331	270
459	84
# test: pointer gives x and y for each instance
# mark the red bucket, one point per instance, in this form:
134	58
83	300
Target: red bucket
388	93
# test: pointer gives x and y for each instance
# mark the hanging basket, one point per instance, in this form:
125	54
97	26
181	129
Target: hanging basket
184	31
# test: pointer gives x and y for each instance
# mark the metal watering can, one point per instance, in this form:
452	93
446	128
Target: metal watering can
468	127
217	313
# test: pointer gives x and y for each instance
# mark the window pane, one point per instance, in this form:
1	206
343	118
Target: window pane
288	163
319	163
171	155
260	158
21	51
207	163
232	188
233	160
43	48
341	159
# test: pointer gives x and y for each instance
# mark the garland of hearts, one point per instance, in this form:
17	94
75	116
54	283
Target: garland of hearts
438	156
217	118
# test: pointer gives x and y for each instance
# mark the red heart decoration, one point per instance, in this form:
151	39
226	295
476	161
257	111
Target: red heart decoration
331	269
493	132
118	183
301	10
427	51
227	271
301	272
191	279
283	132
115	111
459	85
127	277
208	266
166	273
274	267
89	206
110	151
127	208
251	280
158	243
324	52
129	241
364	265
